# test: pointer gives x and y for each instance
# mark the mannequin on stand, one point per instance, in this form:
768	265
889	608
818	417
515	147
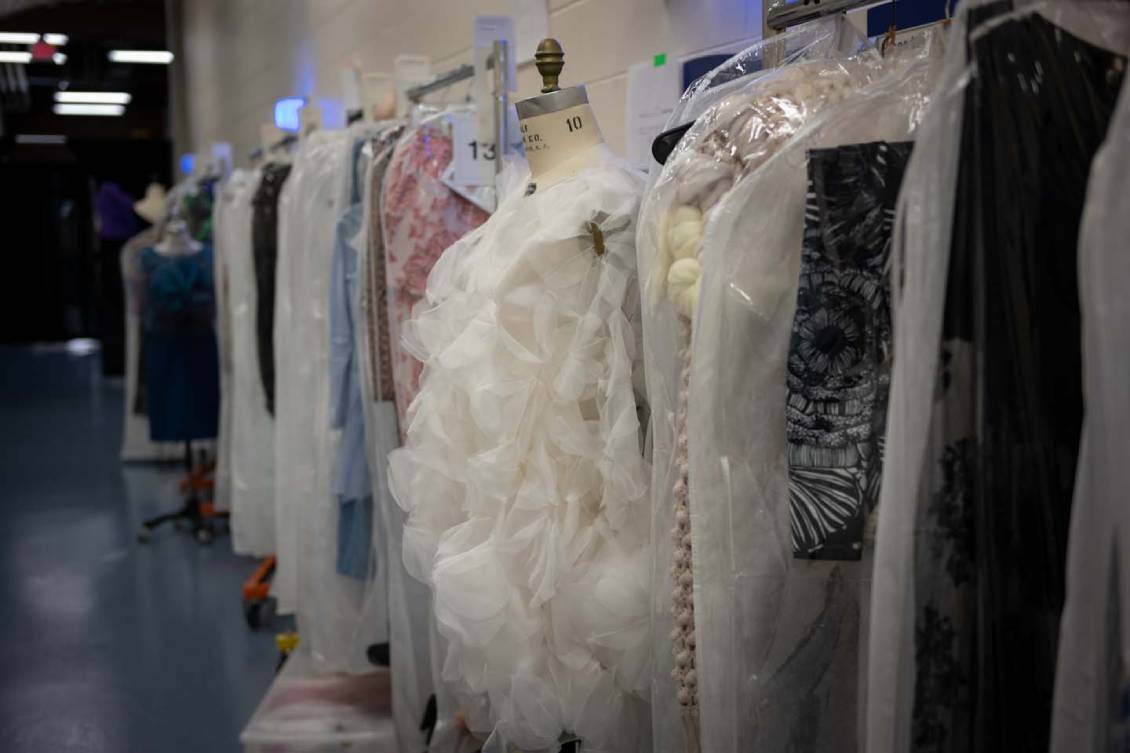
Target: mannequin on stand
181	362
555	654
559	130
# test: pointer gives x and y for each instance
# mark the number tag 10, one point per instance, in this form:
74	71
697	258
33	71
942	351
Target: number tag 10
472	157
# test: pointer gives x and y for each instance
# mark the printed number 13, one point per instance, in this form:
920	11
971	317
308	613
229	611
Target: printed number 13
488	150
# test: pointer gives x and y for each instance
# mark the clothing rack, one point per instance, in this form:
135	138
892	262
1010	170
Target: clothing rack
787	15
442	81
499	63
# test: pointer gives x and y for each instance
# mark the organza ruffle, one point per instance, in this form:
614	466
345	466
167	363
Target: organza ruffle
522	472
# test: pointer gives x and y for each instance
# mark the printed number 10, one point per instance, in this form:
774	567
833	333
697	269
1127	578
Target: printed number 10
574	123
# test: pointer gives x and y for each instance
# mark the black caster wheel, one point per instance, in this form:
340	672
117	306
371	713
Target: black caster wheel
253	613
203	536
143	535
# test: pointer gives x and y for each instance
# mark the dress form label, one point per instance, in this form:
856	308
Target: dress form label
555	138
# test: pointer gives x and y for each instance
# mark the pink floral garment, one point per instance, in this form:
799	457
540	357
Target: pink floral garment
421	217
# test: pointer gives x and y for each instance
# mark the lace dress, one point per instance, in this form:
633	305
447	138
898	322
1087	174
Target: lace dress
522	471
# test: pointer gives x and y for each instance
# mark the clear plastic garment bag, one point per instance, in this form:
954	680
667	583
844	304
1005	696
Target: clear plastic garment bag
252	439
420	217
221	493
986	395
1091	674
680	198
776	637
786	397
409	601
306	580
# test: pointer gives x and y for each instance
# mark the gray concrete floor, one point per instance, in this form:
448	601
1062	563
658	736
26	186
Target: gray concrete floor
107	645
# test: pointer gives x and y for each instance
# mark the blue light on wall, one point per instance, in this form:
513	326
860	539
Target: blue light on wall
186	163
286	113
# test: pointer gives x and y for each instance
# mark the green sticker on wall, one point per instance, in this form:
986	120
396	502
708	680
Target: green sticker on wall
660	60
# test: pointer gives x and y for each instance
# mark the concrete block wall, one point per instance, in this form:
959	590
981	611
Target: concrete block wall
239	56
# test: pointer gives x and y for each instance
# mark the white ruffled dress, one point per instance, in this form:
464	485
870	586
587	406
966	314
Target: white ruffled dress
523	473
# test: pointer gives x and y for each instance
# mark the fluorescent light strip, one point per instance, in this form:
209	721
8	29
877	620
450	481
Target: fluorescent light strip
73	109
40	138
13	56
56	40
17	37
163	57
94	98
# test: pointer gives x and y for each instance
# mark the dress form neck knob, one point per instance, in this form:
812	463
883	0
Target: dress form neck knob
550	60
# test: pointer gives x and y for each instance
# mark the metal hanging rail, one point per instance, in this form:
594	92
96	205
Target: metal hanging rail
446	79
786	15
442	81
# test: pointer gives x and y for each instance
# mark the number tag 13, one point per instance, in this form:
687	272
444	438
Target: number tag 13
473	157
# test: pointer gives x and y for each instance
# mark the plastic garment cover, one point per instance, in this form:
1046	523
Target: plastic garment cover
136	444
522	472
730	139
305	509
779	636
359	607
1094	634
252	448
420	217
986	404
221	490
328	604
408	600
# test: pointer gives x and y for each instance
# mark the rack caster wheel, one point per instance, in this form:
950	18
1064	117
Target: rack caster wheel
143	535
203	536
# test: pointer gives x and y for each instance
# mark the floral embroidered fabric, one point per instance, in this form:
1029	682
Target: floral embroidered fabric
420	218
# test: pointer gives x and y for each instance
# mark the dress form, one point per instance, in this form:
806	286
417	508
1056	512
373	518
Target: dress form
177	241
559	130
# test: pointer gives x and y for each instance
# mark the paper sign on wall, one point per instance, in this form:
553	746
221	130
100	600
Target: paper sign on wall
490	28
531	25
653	92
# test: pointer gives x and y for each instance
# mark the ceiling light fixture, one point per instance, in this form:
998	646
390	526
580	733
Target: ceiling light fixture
56	40
59	58
17	37
14	56
40	138
163	57
94	98
75	109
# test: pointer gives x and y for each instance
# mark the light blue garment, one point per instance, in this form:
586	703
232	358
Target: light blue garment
351	476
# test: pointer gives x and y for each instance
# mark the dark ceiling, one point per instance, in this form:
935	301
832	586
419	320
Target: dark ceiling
94	28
